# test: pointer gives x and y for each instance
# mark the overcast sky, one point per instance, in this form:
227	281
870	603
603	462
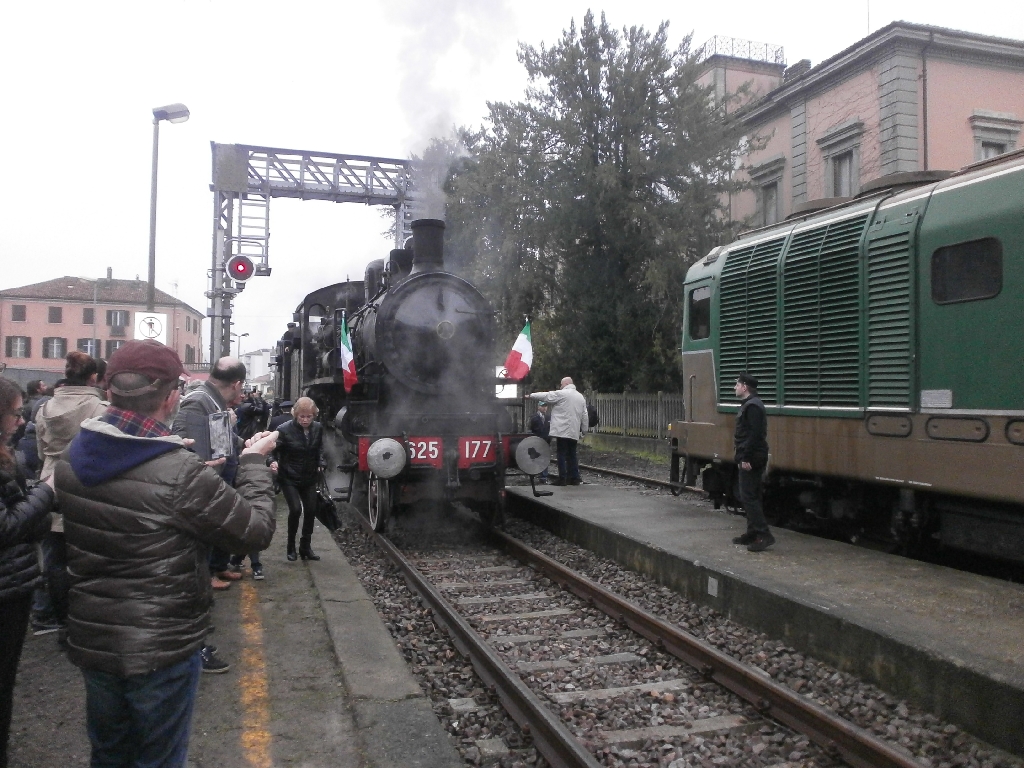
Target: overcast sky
79	81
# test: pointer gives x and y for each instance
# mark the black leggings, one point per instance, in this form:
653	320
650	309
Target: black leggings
13	626
301	501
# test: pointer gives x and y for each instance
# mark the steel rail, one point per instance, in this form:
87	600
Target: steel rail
553	740
837	736
642	479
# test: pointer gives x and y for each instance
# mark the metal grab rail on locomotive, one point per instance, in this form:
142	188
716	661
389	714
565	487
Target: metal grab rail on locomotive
888	338
423	423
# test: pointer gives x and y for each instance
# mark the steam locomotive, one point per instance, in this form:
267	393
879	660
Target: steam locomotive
888	338
423	423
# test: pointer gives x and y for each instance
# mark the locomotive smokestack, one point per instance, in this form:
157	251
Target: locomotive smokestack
427	246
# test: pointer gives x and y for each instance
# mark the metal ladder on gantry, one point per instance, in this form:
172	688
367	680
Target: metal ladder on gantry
245	178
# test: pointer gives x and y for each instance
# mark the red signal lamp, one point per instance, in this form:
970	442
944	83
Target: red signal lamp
240	268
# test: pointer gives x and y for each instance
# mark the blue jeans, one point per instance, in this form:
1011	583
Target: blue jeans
142	721
568	465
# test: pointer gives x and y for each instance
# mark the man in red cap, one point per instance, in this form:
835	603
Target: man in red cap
140	512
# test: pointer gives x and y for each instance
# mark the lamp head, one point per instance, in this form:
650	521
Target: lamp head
172	113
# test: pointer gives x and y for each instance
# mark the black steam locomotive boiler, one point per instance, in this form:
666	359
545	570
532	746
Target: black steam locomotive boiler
423	423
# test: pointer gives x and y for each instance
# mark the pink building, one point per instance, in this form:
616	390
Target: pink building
41	323
906	98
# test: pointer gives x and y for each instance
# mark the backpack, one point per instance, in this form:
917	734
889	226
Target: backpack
593	417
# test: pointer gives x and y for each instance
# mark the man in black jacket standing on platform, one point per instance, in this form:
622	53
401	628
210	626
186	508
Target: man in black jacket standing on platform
751	442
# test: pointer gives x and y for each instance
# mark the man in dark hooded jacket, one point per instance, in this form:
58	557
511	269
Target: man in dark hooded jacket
140	512
751	442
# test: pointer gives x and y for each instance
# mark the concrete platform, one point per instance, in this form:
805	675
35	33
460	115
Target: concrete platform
315	681
951	642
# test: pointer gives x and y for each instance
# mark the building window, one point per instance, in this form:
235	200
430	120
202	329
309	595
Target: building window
89	346
54	347
55	315
112	346
117	318
995	133
767	179
190	354
840	148
842	174
18	313
88	316
769	203
967	271
991	149
19	346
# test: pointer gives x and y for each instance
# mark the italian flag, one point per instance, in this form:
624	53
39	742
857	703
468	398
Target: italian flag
348	360
519	360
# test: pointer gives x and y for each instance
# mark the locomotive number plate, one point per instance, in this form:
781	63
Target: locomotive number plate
476	450
426	452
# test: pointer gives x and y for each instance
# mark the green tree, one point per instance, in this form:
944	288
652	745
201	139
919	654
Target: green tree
583	205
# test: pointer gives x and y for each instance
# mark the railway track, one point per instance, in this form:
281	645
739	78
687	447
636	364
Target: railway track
676	488
532	625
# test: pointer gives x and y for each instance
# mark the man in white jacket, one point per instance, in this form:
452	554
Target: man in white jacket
568	418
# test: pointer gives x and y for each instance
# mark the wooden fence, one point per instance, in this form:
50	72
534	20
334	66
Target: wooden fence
636	414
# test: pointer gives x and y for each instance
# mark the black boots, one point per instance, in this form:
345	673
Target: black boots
305	551
291	549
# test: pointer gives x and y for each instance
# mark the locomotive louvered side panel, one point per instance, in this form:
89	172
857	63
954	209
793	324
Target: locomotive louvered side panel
800	318
821	323
732	321
839	375
763	319
888	321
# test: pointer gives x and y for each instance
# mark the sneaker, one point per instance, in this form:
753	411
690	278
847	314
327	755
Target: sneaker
213	665
746	538
577	481
761	542
234	567
257	573
46	627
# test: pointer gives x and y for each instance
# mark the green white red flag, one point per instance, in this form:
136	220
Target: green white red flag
348	360
519	360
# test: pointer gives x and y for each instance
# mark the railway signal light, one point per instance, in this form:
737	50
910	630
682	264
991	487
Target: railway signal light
240	268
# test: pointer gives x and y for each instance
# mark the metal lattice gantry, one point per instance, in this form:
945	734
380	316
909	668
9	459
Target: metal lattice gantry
246	177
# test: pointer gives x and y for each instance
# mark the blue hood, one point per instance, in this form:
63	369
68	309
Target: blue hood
102	452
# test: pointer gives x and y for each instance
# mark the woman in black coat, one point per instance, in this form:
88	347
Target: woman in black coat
299	457
24	520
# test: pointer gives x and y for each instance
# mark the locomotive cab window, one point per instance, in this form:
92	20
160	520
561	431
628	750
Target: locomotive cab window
700	312
967	271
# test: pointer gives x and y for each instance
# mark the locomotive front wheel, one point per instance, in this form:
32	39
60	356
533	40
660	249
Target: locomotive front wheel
378	496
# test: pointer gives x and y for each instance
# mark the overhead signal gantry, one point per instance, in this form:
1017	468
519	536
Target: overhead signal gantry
245	178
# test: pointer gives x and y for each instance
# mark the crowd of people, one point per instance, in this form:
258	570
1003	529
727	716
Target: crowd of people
133	463
123	477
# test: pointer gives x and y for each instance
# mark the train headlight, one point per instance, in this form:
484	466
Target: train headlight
386	458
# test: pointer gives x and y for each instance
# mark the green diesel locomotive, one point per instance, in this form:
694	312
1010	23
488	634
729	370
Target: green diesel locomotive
888	337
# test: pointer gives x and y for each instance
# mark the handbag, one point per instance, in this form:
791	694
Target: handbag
325	510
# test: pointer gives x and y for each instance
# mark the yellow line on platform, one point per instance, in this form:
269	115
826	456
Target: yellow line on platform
253	683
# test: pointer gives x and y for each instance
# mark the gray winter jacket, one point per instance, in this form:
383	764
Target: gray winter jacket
139	515
568	411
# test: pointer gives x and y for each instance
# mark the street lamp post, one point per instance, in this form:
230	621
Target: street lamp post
240	343
172	113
